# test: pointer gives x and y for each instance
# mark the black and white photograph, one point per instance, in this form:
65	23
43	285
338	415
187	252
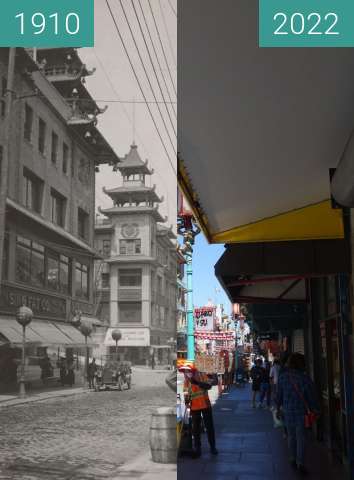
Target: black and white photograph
88	251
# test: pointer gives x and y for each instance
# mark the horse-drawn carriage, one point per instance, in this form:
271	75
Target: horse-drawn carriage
113	375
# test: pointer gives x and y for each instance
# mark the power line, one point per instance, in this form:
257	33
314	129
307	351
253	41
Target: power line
168	34
153	67
147	75
136	102
141	142
162	48
157	58
139	84
173	10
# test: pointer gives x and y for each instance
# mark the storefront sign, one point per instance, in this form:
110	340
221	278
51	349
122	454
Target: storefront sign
41	305
204	319
131	337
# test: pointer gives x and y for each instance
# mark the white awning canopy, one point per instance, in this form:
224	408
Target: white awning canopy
42	333
259	127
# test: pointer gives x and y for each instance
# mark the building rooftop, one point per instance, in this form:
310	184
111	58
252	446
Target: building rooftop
133	164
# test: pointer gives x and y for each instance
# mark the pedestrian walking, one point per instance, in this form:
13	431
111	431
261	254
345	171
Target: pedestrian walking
265	389
256	376
62	371
296	397
274	376
196	386
92	370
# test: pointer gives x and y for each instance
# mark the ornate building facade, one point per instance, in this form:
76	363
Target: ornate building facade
54	149
137	280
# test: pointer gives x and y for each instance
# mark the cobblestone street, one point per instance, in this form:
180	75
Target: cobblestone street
82	437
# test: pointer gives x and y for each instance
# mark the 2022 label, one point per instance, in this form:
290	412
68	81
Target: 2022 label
300	24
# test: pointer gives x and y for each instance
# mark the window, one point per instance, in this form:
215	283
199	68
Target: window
129	312
28	123
55	143
5	256
159	285
106	248
81	280
82	223
130	247
130	277
57	272
32	191
65	158
58	204
3	97
29	262
37	266
41	135
84	173
105	280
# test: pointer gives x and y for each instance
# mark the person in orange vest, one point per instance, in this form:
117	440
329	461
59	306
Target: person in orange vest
196	386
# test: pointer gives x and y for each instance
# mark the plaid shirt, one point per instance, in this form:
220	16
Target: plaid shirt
292	402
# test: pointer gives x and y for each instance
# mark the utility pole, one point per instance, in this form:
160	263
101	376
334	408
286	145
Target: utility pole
4	167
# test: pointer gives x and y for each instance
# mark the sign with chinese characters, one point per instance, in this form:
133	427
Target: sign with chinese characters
204	319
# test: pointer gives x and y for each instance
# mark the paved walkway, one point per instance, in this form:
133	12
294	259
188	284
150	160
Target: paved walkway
250	448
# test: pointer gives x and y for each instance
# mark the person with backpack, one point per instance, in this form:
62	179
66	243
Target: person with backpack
257	374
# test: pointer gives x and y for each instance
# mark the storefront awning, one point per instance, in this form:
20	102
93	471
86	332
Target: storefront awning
42	333
277	271
257	142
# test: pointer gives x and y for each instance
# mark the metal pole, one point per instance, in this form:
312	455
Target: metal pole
86	361
22	377
117	350
190	317
4	167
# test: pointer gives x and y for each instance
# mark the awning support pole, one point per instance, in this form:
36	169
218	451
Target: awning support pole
190	318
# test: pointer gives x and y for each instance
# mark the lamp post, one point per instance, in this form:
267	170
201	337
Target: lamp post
188	229
24	317
86	330
116	335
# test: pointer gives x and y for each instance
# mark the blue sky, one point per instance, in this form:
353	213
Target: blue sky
204	281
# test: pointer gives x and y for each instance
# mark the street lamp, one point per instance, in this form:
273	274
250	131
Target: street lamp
116	335
24	317
86	330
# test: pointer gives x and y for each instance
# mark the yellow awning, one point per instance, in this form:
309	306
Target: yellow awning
315	222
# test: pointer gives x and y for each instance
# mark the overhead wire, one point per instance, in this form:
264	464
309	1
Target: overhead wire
141	142
162	47
158	61
140	86
173	10
153	67
167	33
147	76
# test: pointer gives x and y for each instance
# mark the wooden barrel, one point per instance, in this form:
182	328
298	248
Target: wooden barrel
163	435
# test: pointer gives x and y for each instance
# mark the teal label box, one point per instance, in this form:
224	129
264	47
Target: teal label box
306	23
47	23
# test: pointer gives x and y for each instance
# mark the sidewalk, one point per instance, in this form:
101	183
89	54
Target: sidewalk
38	396
143	468
250	448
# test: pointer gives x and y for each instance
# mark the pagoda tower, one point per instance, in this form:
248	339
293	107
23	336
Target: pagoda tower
139	256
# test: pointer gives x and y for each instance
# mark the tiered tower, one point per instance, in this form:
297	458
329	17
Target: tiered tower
140	261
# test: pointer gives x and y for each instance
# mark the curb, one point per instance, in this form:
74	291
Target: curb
41	397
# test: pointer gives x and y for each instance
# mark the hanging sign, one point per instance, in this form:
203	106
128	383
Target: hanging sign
204	319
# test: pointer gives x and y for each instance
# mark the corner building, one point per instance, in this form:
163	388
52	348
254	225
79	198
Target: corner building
137	280
54	150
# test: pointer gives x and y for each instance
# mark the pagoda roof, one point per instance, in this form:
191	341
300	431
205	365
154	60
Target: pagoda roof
132	162
110	212
136	193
